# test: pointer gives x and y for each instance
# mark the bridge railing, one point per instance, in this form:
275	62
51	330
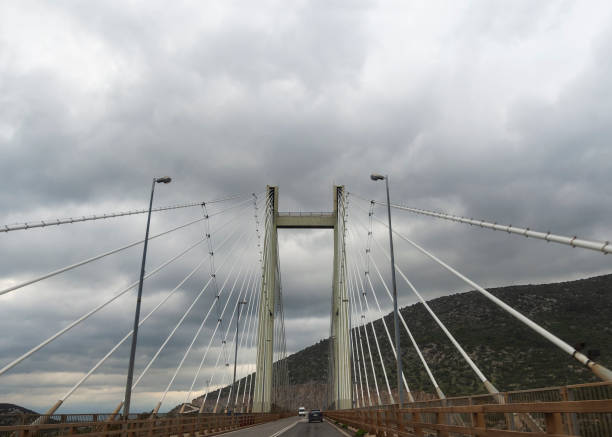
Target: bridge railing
579	410
29	419
102	425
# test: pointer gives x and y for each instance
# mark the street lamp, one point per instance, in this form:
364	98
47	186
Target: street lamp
377	177
128	385
242	302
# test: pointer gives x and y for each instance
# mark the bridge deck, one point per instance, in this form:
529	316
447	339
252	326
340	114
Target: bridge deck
578	410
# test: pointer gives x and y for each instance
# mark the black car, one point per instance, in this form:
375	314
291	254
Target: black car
315	416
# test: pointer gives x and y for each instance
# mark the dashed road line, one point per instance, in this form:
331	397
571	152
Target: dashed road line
287	428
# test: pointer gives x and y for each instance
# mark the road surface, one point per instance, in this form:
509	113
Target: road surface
289	427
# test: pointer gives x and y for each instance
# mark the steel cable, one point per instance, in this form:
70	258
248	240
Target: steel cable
604	247
100	256
601	371
70	220
196	335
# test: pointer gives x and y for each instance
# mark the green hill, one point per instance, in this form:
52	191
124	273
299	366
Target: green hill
511	355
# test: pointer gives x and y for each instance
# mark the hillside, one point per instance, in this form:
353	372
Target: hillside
9	414
511	355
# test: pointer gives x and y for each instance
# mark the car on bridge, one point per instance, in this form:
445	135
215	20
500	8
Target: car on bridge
301	411
315	416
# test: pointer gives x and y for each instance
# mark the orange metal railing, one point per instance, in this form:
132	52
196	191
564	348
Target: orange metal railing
103	425
578	410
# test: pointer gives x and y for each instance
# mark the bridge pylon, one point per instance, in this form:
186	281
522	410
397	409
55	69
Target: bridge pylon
262	395
341	387
340	390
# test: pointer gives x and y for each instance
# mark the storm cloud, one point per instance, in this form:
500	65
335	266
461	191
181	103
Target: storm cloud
492	110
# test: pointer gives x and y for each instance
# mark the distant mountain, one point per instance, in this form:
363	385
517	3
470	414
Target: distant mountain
511	355
14	409
9	414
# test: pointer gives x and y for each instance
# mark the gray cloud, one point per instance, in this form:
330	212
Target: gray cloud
496	111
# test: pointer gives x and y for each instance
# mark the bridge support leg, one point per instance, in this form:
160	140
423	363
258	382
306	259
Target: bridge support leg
262	396
341	390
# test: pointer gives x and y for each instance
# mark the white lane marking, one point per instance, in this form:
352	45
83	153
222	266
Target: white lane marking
287	428
245	428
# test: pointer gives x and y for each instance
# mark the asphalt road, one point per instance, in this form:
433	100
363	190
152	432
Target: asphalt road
289	427
315	429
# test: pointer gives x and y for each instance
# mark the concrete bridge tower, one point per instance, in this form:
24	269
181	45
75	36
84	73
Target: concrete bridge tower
340	389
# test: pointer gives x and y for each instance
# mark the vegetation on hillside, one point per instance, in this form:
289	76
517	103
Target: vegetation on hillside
511	355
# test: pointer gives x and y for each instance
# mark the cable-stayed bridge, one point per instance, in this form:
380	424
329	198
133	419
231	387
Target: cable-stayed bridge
226	313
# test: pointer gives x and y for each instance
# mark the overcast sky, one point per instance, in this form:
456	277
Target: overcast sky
493	110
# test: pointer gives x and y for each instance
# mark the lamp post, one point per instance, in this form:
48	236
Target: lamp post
242	302
377	177
128	384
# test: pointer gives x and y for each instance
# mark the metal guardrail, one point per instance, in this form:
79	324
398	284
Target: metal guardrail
144	425
577	410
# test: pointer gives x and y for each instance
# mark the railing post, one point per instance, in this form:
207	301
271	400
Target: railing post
441	420
510	417
478	420
371	422
572	418
416	417
362	420
151	424
554	423
399	419
389	422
